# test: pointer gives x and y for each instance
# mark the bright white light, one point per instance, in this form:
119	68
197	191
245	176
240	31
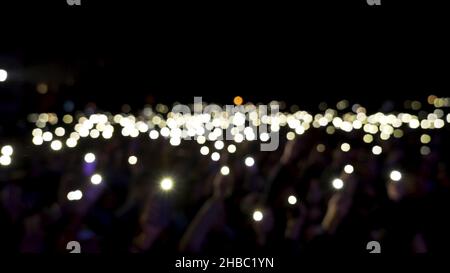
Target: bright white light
238	138
165	132
376	150
3	75
292	200
74	195
264	137
96	179
231	148
56	145
225	170
166	184
338	184
215	156
5	160
71	142
89	157
37	140
132	160
257	215
249	161
219	145
175	141
47	136
154	134
345	147
7	150
395	176
60	131
204	150
94	133
201	139
348	169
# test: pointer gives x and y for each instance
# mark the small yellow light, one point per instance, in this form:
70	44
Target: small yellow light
238	100
345	147
320	148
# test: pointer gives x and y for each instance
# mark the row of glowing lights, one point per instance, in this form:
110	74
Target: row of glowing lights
387	125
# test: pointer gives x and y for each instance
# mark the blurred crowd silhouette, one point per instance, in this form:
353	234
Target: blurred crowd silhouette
208	212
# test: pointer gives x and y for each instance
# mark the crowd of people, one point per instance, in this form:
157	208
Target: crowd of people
207	212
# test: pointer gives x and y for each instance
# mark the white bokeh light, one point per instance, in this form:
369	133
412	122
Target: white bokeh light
96	179
166	184
249	161
89	157
395	175
338	183
3	75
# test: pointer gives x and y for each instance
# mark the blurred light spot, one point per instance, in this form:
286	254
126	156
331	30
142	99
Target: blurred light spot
42	88
71	142
425	150
219	145
231	148
7	150
60	131
225	170
153	134
238	100
96	179
5	160
89	157
37	140
290	136
67	119
215	156
395	175
47	136
257	215
3	75
132	160
376	150
166	184
204	150
345	147
425	138
292	200
249	161
348	169
320	148
338	183
56	145
368	138
74	195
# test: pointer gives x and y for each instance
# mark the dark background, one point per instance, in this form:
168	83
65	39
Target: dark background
123	51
